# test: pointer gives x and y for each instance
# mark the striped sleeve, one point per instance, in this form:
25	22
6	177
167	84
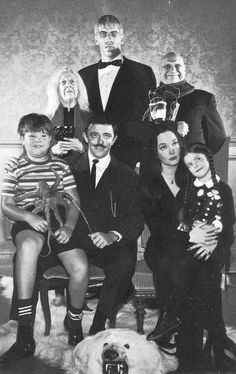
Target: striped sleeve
68	178
9	184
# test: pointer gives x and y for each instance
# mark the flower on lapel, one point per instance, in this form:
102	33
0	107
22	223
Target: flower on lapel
214	194
182	128
200	192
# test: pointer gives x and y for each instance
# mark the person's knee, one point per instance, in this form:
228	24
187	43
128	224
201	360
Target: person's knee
29	247
124	264
77	267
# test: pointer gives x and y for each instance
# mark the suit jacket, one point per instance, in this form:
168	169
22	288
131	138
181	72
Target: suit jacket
198	110
126	105
115	203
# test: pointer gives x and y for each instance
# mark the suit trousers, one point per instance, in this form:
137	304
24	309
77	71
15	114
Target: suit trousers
118	263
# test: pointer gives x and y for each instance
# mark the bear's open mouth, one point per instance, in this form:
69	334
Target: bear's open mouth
115	367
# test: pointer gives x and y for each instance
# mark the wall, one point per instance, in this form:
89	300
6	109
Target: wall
38	36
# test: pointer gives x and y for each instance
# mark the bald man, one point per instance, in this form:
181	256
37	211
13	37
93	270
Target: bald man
197	107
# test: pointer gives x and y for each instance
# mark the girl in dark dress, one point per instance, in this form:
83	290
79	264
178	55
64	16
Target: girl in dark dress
163	183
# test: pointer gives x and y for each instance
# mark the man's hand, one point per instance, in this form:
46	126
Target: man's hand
63	234
102	240
11	164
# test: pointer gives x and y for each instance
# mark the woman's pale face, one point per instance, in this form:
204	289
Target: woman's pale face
67	87
168	148
198	165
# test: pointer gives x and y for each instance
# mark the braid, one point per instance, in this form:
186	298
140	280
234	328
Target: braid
212	167
183	213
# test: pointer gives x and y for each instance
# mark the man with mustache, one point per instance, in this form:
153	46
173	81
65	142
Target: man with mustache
110	202
118	87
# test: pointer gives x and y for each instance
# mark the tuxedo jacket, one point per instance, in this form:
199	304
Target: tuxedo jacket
114	205
198	110
126	104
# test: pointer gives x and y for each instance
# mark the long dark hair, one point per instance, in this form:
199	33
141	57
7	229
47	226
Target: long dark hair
151	166
202	149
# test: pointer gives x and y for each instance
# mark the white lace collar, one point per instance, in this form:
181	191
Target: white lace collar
208	184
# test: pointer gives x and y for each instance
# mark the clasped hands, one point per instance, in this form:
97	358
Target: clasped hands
205	238
66	145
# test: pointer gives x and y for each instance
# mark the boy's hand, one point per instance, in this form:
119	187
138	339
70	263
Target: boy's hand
37	222
11	164
63	234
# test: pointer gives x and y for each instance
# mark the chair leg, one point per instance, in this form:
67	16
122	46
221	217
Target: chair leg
45	307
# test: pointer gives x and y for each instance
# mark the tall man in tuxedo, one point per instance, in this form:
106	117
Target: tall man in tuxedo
118	87
197	107
110	201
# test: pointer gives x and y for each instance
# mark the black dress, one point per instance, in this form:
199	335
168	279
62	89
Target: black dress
186	286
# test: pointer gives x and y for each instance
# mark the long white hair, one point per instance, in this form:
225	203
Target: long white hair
53	98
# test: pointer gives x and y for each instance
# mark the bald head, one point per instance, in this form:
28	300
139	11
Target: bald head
172	69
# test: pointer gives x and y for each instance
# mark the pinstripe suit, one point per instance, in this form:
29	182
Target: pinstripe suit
113	206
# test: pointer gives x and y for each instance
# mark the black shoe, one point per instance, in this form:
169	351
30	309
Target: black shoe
165	325
23	348
95	329
25	340
75	335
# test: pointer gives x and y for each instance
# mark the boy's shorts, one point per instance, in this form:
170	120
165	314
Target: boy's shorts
55	246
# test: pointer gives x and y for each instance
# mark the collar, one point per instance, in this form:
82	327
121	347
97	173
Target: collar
184	87
103	162
110	67
208	184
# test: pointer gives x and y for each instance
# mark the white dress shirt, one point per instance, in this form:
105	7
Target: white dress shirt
101	166
106	78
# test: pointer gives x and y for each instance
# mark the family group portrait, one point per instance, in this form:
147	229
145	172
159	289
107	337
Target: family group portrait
118	187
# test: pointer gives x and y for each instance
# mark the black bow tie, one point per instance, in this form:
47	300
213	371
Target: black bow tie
102	65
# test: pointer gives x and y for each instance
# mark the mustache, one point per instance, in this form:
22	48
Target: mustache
99	146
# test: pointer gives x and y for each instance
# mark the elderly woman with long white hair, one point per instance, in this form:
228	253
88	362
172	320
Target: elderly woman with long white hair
68	110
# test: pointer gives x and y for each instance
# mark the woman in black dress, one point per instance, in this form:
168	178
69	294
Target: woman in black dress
163	182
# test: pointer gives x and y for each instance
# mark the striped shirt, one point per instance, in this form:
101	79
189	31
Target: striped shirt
27	175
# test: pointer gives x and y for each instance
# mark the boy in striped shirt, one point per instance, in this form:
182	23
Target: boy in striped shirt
30	232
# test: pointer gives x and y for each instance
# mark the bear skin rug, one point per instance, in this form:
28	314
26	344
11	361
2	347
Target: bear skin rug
113	351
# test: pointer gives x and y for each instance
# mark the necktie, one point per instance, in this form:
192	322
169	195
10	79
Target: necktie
102	65
93	174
